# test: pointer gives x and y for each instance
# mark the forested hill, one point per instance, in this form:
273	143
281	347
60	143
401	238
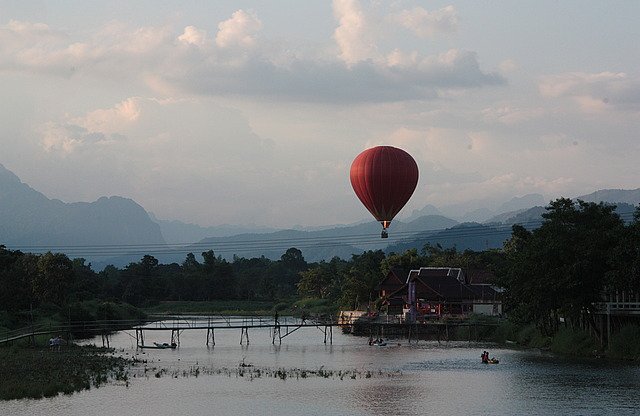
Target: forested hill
28	219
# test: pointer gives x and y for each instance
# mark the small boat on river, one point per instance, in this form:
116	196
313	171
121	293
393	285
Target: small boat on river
160	346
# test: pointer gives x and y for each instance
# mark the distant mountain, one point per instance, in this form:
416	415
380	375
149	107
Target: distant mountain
523	202
631	196
29	219
529	218
481	210
427	210
532	217
466	236
117	230
178	232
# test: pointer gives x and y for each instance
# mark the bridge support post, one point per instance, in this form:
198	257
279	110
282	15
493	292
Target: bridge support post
175	337
276	333
105	339
329	329
211	337
139	338
244	334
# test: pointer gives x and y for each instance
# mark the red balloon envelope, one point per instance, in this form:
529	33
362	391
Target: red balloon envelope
384	179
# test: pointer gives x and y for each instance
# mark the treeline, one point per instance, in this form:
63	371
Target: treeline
55	282
581	252
30	280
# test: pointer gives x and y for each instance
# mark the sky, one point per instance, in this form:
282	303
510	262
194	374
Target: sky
251	112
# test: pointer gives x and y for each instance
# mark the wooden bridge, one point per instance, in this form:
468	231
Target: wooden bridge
280	328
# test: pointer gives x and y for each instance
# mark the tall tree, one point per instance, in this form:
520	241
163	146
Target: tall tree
562	267
54	275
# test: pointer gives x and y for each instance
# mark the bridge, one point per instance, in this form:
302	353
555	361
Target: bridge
280	327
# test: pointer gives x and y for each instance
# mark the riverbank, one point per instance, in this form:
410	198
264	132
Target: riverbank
40	372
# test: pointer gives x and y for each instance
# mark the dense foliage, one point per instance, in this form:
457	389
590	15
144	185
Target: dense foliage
581	252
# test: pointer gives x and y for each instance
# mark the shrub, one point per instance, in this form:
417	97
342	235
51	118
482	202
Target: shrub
626	343
530	336
573	342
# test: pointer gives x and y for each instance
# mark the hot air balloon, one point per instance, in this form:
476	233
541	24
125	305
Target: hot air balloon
384	178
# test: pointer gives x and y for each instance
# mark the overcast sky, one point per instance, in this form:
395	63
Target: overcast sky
250	112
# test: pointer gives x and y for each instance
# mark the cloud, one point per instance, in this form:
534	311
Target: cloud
193	36
594	92
427	24
510	115
239	30
353	36
112	119
65	138
157	59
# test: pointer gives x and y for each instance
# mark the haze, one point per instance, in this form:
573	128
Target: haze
236	112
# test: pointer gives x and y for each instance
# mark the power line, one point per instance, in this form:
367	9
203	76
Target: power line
270	244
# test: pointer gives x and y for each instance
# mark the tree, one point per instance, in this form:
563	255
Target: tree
563	267
362	278
409	260
316	282
54	275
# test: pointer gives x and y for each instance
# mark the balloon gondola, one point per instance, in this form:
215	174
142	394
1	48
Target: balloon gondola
384	178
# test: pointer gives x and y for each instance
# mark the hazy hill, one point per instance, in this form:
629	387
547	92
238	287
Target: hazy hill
466	236
122	228
178	232
631	196
28	218
319	245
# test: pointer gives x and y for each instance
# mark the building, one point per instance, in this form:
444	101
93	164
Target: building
432	292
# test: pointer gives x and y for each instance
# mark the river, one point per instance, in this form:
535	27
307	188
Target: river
424	378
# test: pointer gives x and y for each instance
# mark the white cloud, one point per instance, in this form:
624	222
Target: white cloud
507	114
594	92
508	65
193	36
113	119
428	24
239	30
155	58
353	34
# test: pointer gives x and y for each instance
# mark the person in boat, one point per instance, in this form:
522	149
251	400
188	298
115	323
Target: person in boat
485	357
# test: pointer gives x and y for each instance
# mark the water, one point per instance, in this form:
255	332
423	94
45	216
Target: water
427	378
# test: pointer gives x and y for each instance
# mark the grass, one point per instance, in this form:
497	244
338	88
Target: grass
38	372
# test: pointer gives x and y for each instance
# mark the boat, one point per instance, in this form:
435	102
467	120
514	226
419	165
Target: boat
160	345
491	361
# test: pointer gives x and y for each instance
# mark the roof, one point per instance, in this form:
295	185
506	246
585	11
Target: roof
426	272
394	279
441	283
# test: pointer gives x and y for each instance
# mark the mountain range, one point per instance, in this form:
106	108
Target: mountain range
118	231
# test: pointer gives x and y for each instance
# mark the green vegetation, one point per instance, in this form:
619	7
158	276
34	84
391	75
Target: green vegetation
573	342
36	373
626	343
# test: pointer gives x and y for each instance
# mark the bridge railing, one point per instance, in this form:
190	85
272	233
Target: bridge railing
617	307
73	326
